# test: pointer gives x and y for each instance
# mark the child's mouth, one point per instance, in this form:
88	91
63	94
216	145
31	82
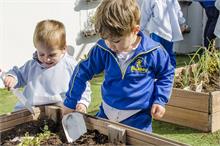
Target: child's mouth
48	64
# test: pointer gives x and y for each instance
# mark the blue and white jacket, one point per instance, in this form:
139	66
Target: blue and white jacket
147	79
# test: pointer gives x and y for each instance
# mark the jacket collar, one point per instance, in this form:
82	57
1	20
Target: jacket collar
146	44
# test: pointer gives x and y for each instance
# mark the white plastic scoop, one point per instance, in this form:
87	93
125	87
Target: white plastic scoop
22	99
74	126
19	95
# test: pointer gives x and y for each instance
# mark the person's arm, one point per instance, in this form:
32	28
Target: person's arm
217	4
84	72
20	74
146	13
86	96
179	12
164	73
85	100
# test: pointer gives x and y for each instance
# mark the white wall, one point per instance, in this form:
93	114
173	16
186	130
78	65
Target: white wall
18	19
194	18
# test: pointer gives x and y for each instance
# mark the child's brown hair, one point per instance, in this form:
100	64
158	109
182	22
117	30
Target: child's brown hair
51	34
116	18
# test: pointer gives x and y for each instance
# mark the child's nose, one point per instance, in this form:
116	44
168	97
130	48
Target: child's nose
47	59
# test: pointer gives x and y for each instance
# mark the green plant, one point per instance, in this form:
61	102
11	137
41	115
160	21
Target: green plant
201	68
186	77
36	141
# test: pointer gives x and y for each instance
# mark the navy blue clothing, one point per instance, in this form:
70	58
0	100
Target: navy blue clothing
207	3
167	45
212	14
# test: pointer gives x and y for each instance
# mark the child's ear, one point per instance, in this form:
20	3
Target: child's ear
136	29
65	49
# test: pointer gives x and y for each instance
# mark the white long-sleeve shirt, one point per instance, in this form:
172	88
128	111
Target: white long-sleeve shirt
217	27
162	17
47	85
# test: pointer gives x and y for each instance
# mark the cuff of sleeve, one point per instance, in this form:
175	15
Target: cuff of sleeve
86	103
70	103
160	103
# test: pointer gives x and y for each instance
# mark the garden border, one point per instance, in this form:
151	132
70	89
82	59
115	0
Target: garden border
133	135
194	109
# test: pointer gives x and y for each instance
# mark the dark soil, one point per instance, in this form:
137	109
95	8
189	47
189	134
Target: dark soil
57	136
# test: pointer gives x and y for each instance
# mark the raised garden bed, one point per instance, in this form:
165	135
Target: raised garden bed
100	127
197	110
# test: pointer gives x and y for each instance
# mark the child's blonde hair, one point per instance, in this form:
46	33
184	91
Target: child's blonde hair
51	34
116	18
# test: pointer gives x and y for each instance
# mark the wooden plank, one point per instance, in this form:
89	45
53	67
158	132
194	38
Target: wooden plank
134	133
8	121
14	115
21	113
190	100
10	124
129	139
215	102
53	112
189	118
150	137
215	121
116	134
137	142
134	136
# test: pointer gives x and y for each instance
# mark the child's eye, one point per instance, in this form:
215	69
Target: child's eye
116	41
41	55
52	55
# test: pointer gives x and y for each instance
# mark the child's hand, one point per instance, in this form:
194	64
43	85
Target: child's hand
185	28
66	110
9	82
81	108
157	111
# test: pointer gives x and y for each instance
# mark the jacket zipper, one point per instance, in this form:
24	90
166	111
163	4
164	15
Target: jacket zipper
123	73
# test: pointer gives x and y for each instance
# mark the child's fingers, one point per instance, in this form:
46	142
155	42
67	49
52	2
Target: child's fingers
157	112
157	115
81	108
153	110
8	83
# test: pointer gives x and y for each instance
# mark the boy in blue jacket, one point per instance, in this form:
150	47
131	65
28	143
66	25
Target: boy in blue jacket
138	75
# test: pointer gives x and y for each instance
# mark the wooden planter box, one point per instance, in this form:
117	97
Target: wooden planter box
133	136
193	109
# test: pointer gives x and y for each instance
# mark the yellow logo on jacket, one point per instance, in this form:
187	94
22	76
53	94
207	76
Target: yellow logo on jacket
138	67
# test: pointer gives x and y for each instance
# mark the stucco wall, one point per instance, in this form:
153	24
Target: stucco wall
18	19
